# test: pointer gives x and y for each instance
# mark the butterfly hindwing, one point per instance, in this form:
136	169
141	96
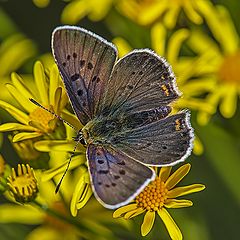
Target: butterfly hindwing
161	143
85	61
116	177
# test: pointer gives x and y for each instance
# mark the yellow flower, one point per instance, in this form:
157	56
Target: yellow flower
50	211
145	12
23	184
35	122
78	9
159	195
221	68
183	67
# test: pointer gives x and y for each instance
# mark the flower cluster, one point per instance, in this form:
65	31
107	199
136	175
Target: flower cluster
201	43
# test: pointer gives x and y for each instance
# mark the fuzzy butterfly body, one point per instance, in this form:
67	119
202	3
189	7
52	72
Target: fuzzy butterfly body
124	106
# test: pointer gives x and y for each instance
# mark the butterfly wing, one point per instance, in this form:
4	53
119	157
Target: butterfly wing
164	142
141	87
116	177
85	62
140	81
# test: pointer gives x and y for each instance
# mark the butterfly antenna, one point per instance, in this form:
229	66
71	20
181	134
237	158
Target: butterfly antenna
53	113
70	159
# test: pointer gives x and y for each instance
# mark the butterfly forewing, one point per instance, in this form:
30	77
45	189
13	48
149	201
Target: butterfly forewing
85	61
116	177
140	81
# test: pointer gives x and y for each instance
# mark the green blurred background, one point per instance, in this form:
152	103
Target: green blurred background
216	211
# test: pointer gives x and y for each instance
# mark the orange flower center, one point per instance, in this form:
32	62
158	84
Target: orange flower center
43	117
153	196
230	69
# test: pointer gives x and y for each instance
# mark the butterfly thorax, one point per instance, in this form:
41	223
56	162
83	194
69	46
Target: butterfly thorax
100	130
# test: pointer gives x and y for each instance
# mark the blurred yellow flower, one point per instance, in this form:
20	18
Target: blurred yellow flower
221	68
34	121
159	195
183	67
146	12
78	9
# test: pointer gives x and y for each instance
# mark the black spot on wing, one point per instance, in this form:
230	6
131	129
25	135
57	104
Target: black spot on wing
82	63
75	77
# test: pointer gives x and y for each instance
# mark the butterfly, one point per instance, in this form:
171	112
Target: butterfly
124	106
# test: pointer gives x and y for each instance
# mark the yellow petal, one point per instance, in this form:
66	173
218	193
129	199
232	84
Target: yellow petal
14	52
25	135
148	222
177	176
138	211
164	173
230	37
26	214
78	191
175	43
228	105
72	119
122	46
180	191
41	3
58	145
158	38
99	10
16	113
75	162
199	86
209	12
171	16
15	126
53	83
41	83
198	147
175	203
170	224
21	99
191	13
22	88
122	210
201	43
57	100
152	12
85	197
74	11
130	214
